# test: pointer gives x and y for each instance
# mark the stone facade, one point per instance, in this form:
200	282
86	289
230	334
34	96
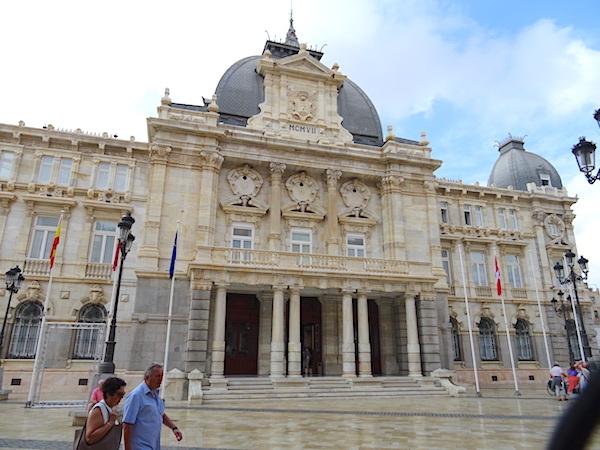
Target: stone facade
291	235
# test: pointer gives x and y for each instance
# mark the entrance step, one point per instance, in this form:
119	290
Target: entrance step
261	388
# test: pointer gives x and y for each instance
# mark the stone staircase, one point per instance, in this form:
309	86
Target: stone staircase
263	388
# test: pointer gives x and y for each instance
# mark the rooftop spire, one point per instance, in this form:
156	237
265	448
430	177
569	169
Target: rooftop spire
291	38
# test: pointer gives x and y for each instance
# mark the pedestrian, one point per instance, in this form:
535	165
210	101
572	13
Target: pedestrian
584	375
144	413
96	395
573	380
558	374
102	421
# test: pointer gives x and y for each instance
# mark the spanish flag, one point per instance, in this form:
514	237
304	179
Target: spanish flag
55	242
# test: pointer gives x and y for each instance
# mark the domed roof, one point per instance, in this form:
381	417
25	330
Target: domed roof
516	167
241	90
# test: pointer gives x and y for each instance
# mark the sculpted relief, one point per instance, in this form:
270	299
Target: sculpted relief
302	105
302	189
245	182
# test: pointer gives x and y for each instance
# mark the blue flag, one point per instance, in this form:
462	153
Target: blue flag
173	256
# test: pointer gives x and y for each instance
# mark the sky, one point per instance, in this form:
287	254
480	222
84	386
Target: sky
468	72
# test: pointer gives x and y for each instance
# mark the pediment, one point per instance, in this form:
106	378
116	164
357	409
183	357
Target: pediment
305	63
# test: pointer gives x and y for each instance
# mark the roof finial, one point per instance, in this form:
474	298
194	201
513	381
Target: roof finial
290	38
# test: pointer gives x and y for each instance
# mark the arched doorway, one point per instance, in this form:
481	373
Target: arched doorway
241	334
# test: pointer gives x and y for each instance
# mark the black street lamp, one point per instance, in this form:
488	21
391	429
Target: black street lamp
14	280
125	241
584	152
573	278
563	310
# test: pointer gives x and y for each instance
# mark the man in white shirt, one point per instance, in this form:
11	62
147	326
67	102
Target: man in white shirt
558	374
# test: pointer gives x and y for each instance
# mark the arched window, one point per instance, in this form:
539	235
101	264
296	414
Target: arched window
524	344
572	333
86	341
487	340
456	347
23	341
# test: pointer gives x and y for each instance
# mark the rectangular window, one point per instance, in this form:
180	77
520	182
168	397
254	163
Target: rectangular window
512	219
302	243
242	238
45	173
478	270
356	245
444	212
478	216
502	218
446	265
513	271
103	242
121	178
64	172
545	179
43	236
467	214
6	165
103	176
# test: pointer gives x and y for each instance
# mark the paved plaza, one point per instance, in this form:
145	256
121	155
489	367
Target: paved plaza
498	420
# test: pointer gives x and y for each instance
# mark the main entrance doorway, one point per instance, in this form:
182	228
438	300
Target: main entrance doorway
241	335
310	336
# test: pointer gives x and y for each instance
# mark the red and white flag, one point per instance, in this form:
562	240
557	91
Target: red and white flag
498	281
116	257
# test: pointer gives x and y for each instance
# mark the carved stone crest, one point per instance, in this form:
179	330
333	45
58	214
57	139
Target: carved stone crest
302	189
302	105
356	195
245	182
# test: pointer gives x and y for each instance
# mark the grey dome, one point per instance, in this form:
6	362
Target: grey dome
241	89
516	167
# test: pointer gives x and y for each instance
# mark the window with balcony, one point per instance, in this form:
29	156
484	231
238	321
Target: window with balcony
43	236
302	243
103	242
23	341
487	340
478	269
456	347
86	341
242	238
444	212
523	338
61	175
473	215
356	245
446	265
513	270
7	160
112	176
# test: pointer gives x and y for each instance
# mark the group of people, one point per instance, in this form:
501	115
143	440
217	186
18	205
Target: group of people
143	414
573	381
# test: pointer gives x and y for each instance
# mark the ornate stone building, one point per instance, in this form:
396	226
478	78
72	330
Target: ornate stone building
309	244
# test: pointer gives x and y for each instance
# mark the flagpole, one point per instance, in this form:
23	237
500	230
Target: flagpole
537	294
462	267
170	316
37	361
510	350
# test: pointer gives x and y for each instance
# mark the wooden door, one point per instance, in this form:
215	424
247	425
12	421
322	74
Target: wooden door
241	335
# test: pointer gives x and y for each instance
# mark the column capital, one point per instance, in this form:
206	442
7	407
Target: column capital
277	169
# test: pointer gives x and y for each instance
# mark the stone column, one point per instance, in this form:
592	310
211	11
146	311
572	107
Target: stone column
364	346
333	240
412	337
212	161
148	253
294	350
277	170
218	343
277	343
394	245
348	355
198	320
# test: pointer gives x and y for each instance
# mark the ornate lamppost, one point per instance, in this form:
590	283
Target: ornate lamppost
14	281
572	278
563	310
584	152
125	241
